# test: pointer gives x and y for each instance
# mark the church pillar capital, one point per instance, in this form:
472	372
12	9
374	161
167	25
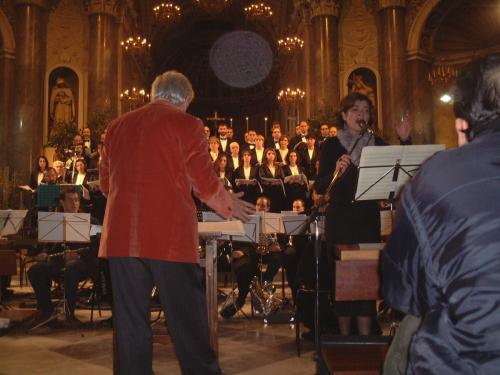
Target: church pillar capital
325	8
383	4
110	7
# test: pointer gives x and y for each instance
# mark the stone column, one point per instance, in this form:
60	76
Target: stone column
31	48
325	47
420	90
392	62
7	71
304	66
103	58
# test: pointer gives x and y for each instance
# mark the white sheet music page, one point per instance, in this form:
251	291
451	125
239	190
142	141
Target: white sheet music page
376	171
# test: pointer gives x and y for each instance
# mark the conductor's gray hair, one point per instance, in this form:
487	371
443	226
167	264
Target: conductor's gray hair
173	87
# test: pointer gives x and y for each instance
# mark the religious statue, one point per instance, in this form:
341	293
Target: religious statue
359	85
62	104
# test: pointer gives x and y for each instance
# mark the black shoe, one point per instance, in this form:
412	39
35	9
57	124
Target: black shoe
231	309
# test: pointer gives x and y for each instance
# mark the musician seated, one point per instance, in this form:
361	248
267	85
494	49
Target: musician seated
245	259
60	171
69	266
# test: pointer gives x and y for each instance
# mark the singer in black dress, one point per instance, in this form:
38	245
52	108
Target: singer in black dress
349	222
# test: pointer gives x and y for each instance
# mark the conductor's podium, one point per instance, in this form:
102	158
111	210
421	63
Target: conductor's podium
357	278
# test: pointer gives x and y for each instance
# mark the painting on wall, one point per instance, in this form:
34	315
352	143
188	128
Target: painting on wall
364	81
63	100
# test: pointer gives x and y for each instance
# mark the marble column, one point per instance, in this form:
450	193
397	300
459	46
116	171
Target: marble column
7	71
103	58
392	62
31	47
325	47
421	105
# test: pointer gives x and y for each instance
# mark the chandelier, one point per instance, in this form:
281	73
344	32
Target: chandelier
134	97
442	75
258	10
167	12
290	44
213	6
291	95
137	44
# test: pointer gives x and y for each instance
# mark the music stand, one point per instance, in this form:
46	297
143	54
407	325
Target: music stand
379	169
211	232
62	227
11	221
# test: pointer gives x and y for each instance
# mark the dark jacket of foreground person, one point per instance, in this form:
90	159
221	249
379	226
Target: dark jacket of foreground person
443	261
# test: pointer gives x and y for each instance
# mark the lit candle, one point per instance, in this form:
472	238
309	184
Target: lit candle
231	121
265	127
246	118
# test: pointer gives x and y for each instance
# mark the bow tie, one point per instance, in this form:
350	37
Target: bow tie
223	139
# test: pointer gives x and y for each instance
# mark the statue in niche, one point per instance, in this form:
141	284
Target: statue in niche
62	104
359	85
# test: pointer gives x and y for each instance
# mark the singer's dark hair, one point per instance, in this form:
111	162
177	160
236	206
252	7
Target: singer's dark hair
476	94
348	102
37	166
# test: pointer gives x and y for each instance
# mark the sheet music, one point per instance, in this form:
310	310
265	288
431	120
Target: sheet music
272	223
4	216
63	227
229	228
294	224
251	228
376	173
13	222
296	179
272	182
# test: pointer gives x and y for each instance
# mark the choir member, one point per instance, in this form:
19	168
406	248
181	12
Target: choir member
246	171
301	137
222	172
234	159
282	152
60	171
213	146
274	140
258	152
309	154
224	140
274	190
37	175
296	189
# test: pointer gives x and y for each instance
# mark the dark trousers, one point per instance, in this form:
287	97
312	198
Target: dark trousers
41	275
183	300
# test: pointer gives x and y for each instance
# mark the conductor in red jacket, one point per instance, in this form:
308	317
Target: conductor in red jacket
150	226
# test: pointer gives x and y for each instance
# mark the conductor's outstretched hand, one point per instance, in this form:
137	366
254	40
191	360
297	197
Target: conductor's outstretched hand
241	209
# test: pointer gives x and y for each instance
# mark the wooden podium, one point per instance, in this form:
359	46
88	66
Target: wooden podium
357	278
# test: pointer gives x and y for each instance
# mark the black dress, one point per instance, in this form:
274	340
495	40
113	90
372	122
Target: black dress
273	192
347	222
293	190
251	192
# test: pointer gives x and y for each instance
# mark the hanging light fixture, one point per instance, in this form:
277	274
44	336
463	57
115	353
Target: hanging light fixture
442	74
213	6
136	45
167	12
291	95
290	44
258	10
134	98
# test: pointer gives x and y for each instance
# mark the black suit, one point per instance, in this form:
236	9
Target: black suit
226	150
307	162
293	190
230	162
254	157
296	140
271	143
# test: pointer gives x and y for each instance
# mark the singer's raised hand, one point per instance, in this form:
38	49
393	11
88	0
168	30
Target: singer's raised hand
343	163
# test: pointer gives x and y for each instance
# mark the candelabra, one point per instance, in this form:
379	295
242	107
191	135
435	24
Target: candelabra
136	45
442	75
134	98
258	10
167	12
290	44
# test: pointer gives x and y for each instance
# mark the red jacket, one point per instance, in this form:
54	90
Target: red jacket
153	158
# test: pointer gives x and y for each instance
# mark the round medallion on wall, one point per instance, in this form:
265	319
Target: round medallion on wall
241	59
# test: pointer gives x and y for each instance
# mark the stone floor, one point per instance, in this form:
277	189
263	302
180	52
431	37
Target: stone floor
246	346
